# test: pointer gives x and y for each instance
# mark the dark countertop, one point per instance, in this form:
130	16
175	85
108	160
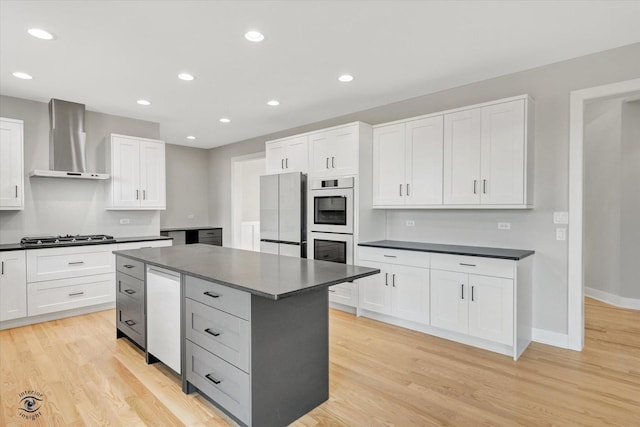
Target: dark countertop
189	228
479	251
265	275
18	247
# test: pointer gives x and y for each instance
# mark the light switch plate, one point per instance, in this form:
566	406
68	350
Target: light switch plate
561	234
561	217
504	226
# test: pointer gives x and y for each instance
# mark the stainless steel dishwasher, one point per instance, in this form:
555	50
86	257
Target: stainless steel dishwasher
163	316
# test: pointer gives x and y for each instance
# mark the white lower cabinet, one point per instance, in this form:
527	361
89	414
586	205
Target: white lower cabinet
345	294
13	285
449	308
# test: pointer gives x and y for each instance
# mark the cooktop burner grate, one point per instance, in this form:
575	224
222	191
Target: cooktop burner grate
68	240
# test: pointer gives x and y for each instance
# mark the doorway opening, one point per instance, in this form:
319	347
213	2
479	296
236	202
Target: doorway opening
245	201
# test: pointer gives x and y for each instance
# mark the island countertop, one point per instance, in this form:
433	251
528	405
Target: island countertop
265	275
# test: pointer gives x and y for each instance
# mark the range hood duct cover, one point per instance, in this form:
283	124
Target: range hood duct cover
67	142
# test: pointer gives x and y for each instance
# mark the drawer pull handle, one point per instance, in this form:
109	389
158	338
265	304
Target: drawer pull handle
128	266
468	265
212	379
390	256
331	290
75	294
130	322
130	291
76	262
211	332
211	294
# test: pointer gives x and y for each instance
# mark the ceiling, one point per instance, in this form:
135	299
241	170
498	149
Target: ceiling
108	54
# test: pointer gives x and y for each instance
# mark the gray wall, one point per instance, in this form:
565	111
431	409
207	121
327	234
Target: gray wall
61	206
532	229
187	187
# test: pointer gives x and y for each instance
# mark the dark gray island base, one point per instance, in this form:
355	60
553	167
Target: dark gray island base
254	335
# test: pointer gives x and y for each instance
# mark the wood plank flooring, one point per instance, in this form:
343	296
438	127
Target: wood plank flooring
381	375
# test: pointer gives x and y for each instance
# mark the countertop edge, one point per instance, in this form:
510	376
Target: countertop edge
525	252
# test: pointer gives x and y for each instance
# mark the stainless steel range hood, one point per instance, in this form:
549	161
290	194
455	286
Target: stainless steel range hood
67	142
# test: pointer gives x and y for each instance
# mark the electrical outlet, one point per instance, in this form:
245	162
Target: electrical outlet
504	226
125	221
561	234
191	216
410	223
561	217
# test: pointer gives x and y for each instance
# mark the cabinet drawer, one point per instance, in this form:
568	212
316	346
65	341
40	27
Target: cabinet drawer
395	256
211	241
129	288
60	263
58	295
209	234
218	332
218	296
131	267
131	322
224	383
474	265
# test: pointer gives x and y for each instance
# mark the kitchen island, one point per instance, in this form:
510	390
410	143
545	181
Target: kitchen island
253	334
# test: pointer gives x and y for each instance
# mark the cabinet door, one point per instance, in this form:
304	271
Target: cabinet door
374	292
296	155
125	172
410	293
502	160
274	153
491	308
449	296
389	165
343	147
13	285
320	147
462	157
344	293
423	153
11	165
152	175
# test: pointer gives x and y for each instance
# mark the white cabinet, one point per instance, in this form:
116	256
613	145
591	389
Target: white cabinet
334	152
11	164
137	167
399	290
13	285
485	155
344	293
407	163
479	305
287	155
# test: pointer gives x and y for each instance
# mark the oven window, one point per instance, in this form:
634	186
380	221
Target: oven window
330	210
330	250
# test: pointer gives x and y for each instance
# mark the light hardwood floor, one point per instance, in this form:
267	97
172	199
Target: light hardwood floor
380	375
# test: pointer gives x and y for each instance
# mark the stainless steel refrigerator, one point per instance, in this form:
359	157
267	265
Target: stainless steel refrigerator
282	214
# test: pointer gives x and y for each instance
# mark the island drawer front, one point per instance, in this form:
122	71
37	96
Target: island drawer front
218	296
61	263
220	333
129	288
76	292
131	322
131	267
395	256
209	234
475	265
233	391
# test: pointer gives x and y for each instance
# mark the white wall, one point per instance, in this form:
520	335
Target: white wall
68	206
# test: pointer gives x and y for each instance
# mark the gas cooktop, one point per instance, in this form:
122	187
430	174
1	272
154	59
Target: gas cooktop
68	240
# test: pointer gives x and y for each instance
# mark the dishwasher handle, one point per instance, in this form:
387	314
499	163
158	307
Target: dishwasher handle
169	275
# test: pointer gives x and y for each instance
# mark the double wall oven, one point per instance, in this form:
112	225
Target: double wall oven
330	220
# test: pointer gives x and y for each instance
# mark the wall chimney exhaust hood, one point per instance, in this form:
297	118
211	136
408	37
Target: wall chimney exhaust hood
67	142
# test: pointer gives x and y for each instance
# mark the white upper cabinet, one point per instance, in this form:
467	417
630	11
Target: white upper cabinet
334	152
407	163
11	165
475	157
287	155
138	179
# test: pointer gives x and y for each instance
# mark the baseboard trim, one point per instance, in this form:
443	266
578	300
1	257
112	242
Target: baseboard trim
555	339
613	299
30	320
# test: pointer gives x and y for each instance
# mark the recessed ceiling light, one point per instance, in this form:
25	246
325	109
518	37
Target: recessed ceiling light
191	137
23	76
346	78
143	102
40	33
186	76
254	36
273	103
225	120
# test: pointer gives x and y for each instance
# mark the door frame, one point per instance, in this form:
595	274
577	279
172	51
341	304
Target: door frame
575	279
234	194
